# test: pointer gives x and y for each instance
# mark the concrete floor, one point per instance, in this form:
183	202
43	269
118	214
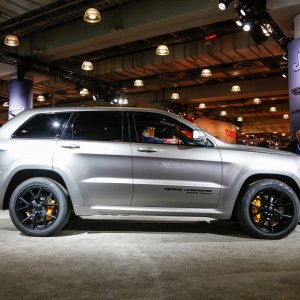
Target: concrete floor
152	258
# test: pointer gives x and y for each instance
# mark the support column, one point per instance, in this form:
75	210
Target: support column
20	95
294	78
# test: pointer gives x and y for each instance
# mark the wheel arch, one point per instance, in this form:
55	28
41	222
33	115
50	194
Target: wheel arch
286	179
22	175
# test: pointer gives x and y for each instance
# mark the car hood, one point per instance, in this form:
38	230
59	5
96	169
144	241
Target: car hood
254	149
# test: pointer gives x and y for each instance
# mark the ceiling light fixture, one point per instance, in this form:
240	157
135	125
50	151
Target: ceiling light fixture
267	29
236	88
162	50
223	113
273	109
11	40
285	56
240	119
84	92
256	101
223	4
175	96
285	116
92	15
206	73
202	105
138	83
87	65
125	101
40	98
5	104
247	25
284	75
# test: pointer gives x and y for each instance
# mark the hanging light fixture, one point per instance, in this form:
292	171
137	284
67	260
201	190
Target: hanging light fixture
273	109
5	104
84	92
92	15
175	96
236	88
11	40
40	98
125	101
240	119
206	73
285	116
202	105
256	101
138	83
223	113
87	65
162	50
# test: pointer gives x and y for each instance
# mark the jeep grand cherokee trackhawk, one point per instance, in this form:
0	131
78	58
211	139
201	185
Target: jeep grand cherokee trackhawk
86	161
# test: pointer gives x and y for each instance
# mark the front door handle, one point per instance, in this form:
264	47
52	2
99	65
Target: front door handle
70	146
148	150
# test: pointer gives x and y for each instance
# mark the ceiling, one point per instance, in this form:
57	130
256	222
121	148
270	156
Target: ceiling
55	40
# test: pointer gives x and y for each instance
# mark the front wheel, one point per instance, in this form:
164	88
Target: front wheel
269	209
39	207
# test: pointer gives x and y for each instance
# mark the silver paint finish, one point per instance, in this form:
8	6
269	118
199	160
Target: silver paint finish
135	178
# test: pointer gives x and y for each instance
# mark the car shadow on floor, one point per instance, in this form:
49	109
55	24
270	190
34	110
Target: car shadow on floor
218	227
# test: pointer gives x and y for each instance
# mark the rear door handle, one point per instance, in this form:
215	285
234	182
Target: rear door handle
148	150
70	146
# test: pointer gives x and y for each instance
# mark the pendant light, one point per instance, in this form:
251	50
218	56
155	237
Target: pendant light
84	92
92	15
256	101
240	119
175	96
223	113
236	88
40	98
273	109
138	83
202	105
87	65
162	50
206	73
11	40
285	116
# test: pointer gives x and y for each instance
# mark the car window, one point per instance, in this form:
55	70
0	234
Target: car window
98	126
161	129
43	126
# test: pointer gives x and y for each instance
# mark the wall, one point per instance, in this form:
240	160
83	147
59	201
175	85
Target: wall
224	131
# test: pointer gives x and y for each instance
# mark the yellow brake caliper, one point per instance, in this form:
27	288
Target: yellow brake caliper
50	209
256	201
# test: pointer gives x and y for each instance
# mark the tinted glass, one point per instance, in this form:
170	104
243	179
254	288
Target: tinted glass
43	126
98	126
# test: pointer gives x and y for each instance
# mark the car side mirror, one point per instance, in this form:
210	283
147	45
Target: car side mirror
199	136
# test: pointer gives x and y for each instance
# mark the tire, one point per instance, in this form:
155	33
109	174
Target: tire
39	207
269	209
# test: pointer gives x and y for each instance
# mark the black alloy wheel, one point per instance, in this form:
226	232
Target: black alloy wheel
39	207
269	209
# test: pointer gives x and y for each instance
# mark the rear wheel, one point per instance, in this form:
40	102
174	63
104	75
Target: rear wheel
269	209
39	207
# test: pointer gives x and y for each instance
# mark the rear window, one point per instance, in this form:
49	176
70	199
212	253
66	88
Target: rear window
98	126
43	126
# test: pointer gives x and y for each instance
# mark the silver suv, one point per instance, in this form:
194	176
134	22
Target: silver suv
87	161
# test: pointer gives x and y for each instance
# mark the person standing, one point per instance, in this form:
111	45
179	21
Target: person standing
294	146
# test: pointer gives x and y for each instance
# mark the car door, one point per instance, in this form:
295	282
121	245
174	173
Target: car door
173	171
96	154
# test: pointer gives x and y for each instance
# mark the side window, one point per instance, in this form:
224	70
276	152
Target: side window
43	126
161	129
98	126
